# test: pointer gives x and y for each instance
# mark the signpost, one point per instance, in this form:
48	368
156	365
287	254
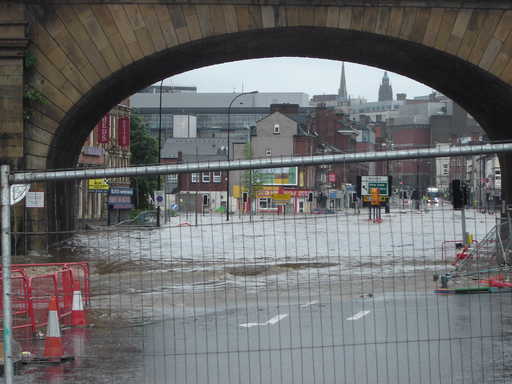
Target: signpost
159	198
379	182
374	190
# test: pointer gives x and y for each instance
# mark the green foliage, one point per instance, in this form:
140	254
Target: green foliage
31	95
30	61
250	180
144	149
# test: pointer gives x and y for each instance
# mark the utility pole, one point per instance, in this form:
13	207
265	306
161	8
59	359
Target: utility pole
228	154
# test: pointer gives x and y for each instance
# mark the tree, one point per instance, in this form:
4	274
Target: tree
251	180
144	149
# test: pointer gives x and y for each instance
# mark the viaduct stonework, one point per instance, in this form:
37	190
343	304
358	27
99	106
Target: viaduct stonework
63	64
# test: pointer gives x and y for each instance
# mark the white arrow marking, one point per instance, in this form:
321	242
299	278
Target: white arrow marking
309	304
272	321
358	315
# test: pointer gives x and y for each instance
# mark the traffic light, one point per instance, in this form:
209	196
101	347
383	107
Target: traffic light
245	197
458	194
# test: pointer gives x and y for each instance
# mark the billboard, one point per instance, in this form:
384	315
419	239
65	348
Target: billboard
276	176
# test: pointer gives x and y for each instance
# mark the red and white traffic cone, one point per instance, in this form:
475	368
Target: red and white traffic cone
53	343
77	311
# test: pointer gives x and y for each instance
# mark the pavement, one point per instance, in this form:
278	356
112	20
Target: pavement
395	338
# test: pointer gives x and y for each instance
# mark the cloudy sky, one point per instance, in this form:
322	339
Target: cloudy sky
312	76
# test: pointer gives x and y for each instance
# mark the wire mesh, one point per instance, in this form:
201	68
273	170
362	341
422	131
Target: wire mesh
305	293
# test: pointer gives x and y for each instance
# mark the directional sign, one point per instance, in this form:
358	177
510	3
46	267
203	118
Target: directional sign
370	182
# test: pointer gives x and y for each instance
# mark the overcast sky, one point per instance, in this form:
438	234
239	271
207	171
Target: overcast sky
293	74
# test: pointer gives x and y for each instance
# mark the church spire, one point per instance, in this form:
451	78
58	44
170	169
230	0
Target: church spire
385	89
342	91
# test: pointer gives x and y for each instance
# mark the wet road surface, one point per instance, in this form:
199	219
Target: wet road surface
396	338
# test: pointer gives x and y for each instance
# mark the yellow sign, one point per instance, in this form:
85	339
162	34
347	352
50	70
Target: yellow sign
97	185
236	192
281	196
368	198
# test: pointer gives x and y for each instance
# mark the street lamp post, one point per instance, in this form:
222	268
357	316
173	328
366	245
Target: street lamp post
159	151
229	128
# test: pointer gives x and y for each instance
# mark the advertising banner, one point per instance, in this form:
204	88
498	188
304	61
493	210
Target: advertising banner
124	132
104	129
276	176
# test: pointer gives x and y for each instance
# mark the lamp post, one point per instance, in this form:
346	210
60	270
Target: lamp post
159	150
229	128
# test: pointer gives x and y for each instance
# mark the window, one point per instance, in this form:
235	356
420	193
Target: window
195	178
173	178
206	177
268	152
217	177
265	203
276	129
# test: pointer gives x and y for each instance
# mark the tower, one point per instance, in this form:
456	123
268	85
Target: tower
385	90
342	91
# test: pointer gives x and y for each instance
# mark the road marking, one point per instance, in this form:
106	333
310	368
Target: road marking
358	315
309	304
272	321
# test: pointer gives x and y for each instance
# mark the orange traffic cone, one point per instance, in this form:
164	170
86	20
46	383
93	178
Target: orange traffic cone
77	311
53	343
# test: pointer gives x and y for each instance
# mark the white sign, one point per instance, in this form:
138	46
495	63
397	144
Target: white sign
369	182
18	192
34	200
159	198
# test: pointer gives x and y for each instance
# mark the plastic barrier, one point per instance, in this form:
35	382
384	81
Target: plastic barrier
32	292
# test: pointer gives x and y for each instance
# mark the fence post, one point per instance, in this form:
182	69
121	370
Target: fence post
6	272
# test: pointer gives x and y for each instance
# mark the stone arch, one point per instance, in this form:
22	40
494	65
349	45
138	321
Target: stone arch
89	57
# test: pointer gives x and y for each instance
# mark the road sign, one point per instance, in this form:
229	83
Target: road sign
369	182
159	198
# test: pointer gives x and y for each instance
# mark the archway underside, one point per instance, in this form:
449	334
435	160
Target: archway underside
484	96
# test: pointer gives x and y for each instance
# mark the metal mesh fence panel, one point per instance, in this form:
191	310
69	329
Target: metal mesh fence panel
287	293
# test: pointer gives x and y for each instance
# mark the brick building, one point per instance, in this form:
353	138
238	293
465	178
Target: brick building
196	192
108	145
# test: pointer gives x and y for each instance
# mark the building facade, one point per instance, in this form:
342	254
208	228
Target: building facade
108	145
203	192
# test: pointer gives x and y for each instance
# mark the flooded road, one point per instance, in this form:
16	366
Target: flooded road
301	299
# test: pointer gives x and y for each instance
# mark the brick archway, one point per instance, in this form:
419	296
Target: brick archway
89	57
